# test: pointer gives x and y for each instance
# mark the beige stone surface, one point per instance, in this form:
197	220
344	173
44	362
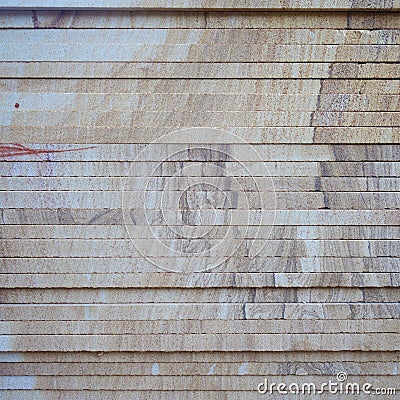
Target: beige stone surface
156	395
107	134
200	19
212	279
213	156
178	103
206	356
199	70
202	4
312	95
202	53
229	203
120	169
209	36
177	250
87	265
199	86
213	342
200	368
234	295
194	327
338	185
61	216
119	232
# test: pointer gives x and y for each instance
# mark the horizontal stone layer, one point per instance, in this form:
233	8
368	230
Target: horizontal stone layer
182	104
198	369
202	86
80	52
199	19
225	203
170	120
266	232
215	295
201	36
179	311
227	342
157	70
89	265
64	216
71	394
178	183
214	357
180	252
209	279
254	135
329	326
203	4
122	169
211	157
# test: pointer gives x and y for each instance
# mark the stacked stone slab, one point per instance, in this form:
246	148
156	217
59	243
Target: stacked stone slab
313	86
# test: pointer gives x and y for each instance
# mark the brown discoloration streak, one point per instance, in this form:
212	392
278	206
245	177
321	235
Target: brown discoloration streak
17	149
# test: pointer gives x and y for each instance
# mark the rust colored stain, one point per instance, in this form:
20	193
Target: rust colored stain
16	149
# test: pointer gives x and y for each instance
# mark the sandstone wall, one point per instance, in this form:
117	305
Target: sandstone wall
102	301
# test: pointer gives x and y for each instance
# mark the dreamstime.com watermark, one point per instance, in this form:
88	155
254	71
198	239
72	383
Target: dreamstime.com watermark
340	385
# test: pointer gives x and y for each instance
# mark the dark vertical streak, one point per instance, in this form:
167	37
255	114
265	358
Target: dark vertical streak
35	19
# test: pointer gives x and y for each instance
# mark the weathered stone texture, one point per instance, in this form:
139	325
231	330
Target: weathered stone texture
308	175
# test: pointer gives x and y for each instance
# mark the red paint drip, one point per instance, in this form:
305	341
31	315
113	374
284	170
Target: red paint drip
16	149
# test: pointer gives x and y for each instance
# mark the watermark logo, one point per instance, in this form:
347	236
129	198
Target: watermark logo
340	385
195	197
